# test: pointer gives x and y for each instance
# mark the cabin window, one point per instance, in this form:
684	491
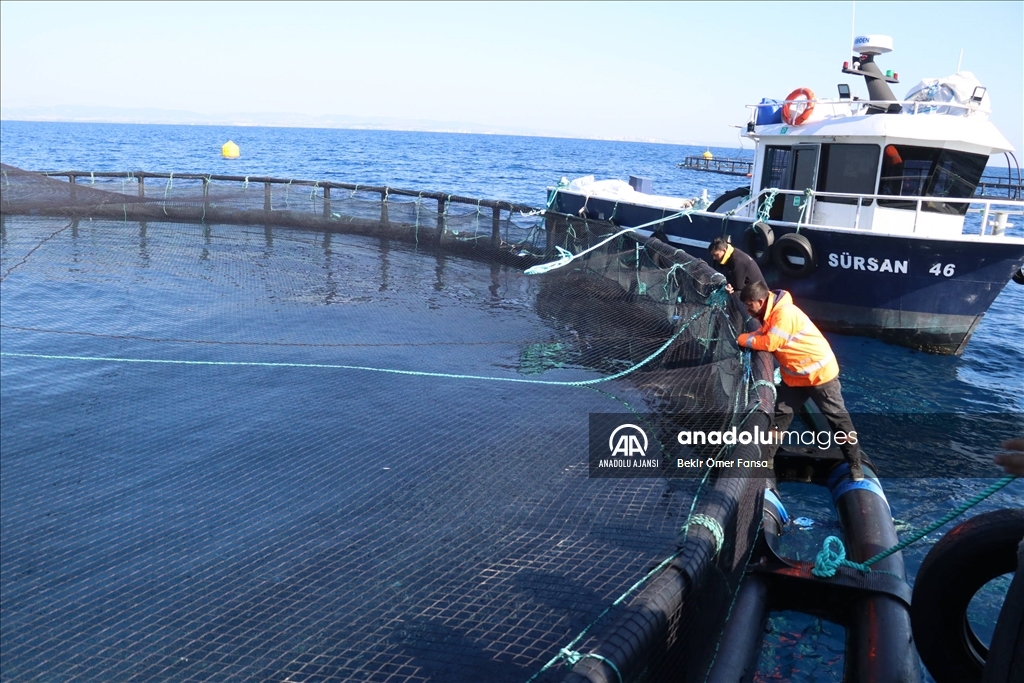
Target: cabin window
789	168
850	169
776	167
778	173
909	171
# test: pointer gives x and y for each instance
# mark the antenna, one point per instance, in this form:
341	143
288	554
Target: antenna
853	23
960	61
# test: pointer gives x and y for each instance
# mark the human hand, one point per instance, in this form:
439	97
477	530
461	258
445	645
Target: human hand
1013	460
729	288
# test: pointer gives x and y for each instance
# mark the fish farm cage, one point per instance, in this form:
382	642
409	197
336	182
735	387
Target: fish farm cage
266	429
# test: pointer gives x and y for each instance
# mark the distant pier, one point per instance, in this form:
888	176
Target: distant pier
990	186
743	167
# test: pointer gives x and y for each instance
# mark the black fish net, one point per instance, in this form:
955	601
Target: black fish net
253	432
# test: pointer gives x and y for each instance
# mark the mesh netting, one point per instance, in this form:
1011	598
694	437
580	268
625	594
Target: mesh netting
425	218
306	438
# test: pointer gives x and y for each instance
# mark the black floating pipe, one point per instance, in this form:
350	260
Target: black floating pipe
879	641
742	637
740	646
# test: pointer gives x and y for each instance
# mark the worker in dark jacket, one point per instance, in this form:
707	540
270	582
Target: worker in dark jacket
739	269
808	366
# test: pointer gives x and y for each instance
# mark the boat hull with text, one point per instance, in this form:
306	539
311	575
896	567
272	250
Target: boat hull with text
915	291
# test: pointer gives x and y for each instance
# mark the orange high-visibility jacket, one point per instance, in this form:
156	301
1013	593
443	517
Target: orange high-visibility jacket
805	358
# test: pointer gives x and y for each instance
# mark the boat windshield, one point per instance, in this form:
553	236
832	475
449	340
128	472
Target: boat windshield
847	168
909	171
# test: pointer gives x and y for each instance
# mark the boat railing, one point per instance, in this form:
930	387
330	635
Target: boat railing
856	107
995	210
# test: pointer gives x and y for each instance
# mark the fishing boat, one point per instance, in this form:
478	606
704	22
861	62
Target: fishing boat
864	209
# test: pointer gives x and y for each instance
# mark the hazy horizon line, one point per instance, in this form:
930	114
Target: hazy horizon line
172	117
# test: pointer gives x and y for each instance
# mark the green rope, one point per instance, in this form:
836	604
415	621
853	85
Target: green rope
568	648
646	577
444	215
803	208
641	286
766	208
600	616
699	519
568	257
564	182
392	371
571	657
833	554
725	220
416	228
766	383
712	525
206	197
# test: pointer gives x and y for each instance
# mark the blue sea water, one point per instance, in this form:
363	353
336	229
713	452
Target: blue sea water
876	377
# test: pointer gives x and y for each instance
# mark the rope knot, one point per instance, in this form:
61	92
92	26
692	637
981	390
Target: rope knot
712	525
566	257
830	557
572	657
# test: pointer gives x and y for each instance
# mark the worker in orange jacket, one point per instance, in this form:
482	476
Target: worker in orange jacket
808	366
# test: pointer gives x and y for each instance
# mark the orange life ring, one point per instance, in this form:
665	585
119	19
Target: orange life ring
787	108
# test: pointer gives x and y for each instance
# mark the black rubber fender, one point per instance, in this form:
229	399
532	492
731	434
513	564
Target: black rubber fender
1005	662
794	244
757	242
970	555
738	193
1018	277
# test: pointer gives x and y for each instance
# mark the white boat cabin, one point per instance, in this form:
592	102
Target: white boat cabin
889	173
879	165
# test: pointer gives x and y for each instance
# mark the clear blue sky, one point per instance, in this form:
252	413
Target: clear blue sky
672	72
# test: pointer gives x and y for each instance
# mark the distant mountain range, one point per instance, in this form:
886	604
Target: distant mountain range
285	120
91	114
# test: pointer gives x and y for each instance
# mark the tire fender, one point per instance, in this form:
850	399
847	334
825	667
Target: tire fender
794	244
757	242
969	556
738	193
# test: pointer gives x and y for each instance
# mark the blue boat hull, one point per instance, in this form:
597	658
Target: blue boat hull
928	294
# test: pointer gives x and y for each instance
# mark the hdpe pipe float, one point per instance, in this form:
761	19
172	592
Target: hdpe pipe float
879	642
742	636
